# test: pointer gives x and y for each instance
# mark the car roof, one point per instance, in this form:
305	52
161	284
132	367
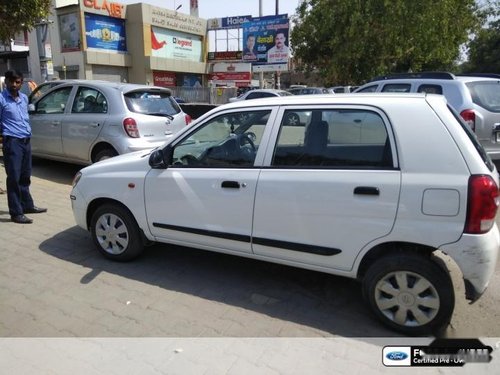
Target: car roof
322	99
121	86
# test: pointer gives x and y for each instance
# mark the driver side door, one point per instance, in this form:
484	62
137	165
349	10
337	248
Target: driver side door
206	195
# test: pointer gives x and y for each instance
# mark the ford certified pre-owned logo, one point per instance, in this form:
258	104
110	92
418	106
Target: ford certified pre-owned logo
396	356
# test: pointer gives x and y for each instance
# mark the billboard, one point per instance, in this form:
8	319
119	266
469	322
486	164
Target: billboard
265	43
172	44
104	32
69	30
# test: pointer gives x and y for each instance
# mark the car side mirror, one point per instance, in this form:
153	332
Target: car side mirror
160	158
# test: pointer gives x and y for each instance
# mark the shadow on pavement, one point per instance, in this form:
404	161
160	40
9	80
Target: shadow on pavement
54	171
324	302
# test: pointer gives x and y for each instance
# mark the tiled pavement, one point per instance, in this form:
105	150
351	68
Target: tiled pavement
64	309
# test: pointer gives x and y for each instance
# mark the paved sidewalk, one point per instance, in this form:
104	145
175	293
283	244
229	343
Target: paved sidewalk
64	309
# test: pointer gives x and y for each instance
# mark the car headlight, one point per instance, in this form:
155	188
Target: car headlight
77	177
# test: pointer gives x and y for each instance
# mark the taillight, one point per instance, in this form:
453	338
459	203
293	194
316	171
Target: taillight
469	117
130	127
482	204
188	119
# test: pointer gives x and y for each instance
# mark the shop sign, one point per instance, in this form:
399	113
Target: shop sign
225	55
164	79
112	8
231	76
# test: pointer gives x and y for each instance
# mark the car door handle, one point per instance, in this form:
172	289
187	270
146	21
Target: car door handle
230	184
366	190
94	124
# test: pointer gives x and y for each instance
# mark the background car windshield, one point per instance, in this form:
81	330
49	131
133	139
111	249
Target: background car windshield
151	103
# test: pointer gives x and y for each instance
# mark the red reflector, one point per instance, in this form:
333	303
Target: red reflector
469	117
130	127
482	204
188	119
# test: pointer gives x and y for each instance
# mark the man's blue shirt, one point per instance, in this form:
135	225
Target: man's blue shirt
14	117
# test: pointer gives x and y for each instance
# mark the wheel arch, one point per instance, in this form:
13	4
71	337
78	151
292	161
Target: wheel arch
96	203
98	147
391	248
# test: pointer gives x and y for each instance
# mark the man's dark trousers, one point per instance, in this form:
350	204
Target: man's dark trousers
17	161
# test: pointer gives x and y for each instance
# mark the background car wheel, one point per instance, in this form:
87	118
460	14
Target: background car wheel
292	119
116	233
105	154
410	293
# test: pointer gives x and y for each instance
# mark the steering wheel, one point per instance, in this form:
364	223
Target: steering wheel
244	139
189	159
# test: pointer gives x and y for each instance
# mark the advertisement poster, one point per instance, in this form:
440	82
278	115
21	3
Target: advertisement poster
105	32
69	29
265	42
172	44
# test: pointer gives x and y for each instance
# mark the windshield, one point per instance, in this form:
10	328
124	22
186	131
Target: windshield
151	103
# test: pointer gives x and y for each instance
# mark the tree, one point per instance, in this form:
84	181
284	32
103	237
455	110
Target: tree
21	15
484	51
349	41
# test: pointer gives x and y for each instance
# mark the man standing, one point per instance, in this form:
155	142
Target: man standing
16	130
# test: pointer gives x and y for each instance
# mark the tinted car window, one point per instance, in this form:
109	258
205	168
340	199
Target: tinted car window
396	87
334	138
151	103
369	89
486	94
431	89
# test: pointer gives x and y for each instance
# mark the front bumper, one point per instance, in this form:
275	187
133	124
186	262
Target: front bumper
476	256
79	208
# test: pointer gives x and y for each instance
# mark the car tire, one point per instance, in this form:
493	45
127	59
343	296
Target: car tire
292	119
410	293
115	233
105	154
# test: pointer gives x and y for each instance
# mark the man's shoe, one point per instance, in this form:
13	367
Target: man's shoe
35	210
21	219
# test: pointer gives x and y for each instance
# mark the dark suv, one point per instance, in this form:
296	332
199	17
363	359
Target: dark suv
476	97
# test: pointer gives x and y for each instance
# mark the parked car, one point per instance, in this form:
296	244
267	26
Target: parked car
476	97
309	90
350	192
260	93
343	89
85	121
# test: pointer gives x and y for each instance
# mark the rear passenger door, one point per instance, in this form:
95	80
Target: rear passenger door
331	187
89	112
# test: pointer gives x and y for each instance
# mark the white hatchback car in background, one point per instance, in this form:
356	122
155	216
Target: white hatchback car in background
85	121
367	186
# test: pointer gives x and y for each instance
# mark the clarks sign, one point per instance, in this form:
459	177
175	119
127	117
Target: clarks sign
113	9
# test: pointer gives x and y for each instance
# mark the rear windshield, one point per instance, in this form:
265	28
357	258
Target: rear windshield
486	94
151	103
486	158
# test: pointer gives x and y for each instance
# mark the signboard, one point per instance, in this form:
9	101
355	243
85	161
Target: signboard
164	79
104	32
171	44
225	55
231	76
69	30
106	8
177	21
265	42
235	22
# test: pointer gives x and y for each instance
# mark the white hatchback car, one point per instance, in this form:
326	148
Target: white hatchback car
367	186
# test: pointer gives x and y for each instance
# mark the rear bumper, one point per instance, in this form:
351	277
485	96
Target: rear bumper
476	256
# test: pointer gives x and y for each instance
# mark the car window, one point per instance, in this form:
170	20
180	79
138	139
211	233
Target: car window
89	100
229	140
430	89
341	138
54	102
486	94
152	103
371	88
396	87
